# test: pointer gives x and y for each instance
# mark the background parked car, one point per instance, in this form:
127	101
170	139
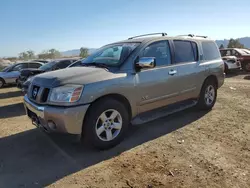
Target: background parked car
27	74
10	74
243	55
230	62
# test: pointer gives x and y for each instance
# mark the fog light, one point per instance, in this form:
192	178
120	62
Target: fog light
52	125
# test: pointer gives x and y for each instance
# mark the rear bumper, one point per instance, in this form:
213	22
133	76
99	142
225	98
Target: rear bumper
65	119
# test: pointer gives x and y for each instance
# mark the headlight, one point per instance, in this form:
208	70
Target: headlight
67	93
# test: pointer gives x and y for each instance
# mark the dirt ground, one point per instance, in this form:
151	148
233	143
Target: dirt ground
187	149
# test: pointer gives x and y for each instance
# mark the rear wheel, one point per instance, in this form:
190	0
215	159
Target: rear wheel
208	95
1	82
246	66
106	124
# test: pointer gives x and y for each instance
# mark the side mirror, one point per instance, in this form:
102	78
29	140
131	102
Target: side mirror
145	63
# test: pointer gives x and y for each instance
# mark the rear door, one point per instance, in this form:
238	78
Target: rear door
185	62
156	87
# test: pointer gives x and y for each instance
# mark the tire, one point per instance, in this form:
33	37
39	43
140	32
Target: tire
2	83
95	122
246	66
204	103
226	68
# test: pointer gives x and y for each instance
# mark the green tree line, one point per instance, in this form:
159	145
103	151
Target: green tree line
47	54
233	43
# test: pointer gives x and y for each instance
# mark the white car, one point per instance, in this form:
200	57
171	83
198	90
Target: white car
231	63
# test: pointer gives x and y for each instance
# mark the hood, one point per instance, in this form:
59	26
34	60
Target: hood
75	75
30	72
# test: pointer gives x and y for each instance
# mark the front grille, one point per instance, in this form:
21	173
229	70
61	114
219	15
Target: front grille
35	91
38	94
45	94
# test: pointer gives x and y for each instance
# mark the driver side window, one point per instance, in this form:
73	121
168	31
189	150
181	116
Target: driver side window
160	51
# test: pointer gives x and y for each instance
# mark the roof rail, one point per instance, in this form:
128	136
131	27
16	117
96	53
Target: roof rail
162	34
192	35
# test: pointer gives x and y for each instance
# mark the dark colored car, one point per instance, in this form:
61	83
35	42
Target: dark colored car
243	55
27	74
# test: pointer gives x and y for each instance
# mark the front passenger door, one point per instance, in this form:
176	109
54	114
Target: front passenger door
156	87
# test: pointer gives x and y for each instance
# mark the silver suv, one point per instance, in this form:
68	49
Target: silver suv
129	82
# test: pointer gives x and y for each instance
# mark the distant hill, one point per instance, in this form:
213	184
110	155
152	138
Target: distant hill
244	40
76	52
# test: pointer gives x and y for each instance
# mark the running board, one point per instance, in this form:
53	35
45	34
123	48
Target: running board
162	112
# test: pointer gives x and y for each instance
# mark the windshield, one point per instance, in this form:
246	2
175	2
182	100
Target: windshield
47	66
111	55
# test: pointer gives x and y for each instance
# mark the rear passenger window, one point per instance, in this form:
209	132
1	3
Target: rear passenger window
159	50
34	65
185	51
210	51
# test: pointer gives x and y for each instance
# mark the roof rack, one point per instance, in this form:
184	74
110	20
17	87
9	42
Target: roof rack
192	35
162	34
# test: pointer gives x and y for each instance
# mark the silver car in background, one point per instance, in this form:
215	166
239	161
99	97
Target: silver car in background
10	74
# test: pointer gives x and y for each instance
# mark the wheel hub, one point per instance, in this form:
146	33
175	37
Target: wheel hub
109	125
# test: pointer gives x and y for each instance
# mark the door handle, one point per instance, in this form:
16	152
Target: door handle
172	72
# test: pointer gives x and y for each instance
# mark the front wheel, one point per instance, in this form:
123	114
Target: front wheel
208	95
106	124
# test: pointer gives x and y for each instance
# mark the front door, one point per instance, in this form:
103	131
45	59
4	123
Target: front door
156	87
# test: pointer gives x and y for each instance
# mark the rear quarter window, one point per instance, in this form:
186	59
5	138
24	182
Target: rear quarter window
210	51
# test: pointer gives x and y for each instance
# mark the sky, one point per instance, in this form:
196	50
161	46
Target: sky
70	24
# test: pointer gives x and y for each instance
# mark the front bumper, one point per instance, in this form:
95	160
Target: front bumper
65	119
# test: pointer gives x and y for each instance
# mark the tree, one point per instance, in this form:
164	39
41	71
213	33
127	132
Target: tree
235	43
84	52
49	54
31	54
53	53
23	56
221	46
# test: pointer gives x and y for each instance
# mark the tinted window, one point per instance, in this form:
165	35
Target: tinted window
34	65
76	64
223	53
47	66
195	49
20	67
63	64
159	50
210	51
184	51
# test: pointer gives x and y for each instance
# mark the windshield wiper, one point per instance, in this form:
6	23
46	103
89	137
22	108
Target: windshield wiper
101	65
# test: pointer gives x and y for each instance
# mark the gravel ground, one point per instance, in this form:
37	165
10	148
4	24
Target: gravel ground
187	149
